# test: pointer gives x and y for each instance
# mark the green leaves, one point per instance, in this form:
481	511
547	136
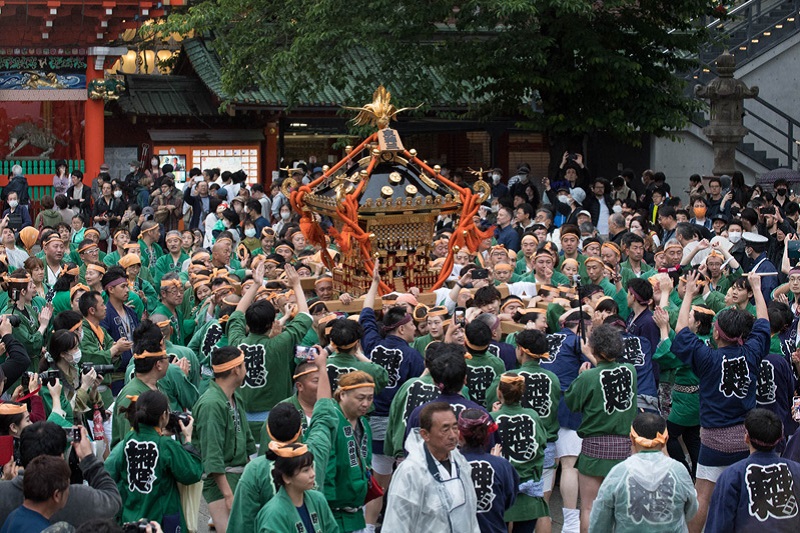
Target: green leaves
603	66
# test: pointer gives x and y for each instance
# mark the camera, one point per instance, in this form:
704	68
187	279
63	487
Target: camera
480	273
48	377
134	527
174	417
13	320
100	369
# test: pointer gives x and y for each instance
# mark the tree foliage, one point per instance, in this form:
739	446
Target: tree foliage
567	67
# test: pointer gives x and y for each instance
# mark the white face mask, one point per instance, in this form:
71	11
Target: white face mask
250	232
496	178
563	198
617	209
285	216
117	194
734	236
226	223
495	208
76	356
13	203
133	169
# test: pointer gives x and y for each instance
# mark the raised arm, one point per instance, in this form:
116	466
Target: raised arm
686	305
761	306
250	294
372	293
294	281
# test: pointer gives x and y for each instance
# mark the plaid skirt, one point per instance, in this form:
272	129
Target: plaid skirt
613	447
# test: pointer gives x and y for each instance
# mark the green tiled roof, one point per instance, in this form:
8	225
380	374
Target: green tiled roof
167	96
206	63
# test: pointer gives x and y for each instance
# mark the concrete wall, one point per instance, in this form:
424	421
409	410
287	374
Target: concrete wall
777	74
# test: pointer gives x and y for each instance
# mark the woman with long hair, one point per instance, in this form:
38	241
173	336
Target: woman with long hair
148	463
296	506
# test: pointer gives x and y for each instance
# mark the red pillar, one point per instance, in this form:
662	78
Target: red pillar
271	159
94	130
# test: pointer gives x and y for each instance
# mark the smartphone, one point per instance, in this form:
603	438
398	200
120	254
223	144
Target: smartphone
305	353
480	273
459	316
76	434
796	409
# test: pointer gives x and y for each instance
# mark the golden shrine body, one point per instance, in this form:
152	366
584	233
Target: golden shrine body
384	202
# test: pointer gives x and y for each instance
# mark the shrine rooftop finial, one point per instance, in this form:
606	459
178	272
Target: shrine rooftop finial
380	112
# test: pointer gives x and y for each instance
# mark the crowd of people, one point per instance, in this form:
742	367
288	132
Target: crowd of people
635	344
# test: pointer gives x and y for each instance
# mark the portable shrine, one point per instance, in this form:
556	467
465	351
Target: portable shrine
384	201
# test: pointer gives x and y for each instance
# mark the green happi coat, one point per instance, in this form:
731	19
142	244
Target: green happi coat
150	255
342	363
281	516
685	410
27	333
180	391
256	487
410	395
157	497
542	394
177	322
269	362
603	415
166	264
345	484
523	438
98	350
223	437
482	369
119	422
210	335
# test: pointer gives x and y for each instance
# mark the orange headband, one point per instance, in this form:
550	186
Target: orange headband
715	253
476	348
305	373
530	238
437	311
129	260
345	346
166	283
545	355
201	280
660	252
233	363
172	237
356	386
201	256
98	268
11	409
704	310
87	247
149	229
569	261
511	301
284	247
132	245
225	239
78	287
52	238
503	267
290	441
507	378
594	260
323	280
287	450
673	245
74	271
76	327
661	439
612	246
145	354
91	230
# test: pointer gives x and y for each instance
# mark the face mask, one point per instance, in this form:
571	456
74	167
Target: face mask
781	191
285	216
13	203
563	198
699	212
117	194
76	356
734	236
495	208
250	232
133	169
154	162
80	335
226	223
496	178
617	209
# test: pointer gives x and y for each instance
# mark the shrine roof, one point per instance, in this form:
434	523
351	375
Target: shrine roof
166	96
206	63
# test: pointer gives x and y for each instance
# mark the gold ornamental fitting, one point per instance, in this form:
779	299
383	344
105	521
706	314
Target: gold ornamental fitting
395	178
363	174
456	249
386	191
437	168
413	152
411	190
348	149
376	152
325	168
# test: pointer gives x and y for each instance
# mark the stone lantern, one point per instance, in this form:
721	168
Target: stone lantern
726	127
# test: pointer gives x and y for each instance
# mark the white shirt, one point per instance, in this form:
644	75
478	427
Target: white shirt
602	221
